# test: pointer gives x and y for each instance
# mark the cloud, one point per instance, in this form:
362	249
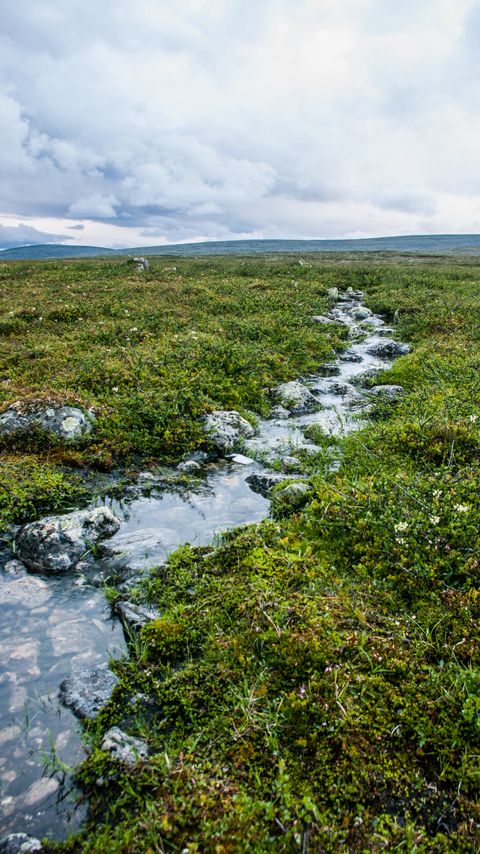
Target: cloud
219	119
25	235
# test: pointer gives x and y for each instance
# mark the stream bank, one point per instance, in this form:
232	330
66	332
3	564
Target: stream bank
154	521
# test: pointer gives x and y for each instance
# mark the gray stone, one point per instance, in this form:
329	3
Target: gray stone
291	464
88	691
189	467
241	459
279	412
390	392
56	544
66	422
361	313
19	843
350	356
142	549
325	321
296	397
15	568
388	349
330	369
124	748
332	293
265	482
134	617
141	264
226	428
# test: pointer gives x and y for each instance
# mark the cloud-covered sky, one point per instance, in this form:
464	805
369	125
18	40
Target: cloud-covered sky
173	120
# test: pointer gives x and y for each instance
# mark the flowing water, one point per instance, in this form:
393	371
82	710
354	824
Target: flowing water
50	626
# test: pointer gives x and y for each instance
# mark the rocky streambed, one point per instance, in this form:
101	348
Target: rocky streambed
56	627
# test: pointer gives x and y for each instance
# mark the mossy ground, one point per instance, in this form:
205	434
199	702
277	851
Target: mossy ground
313	682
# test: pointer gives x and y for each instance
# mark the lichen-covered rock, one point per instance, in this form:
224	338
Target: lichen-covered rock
66	422
124	748
388	349
86	692
57	543
140	263
388	392
296	397
332	293
225	428
19	843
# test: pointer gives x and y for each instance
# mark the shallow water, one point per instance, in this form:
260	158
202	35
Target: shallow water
50	626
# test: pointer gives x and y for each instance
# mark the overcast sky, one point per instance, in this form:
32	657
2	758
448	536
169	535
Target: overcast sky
157	121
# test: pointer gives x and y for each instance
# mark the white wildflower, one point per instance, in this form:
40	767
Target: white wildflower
473	418
402	526
434	520
461	508
437	493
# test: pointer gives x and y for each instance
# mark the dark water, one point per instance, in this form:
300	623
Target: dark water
51	626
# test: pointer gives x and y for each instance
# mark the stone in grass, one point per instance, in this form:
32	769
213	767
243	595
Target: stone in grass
388	349
289	498
361	313
19	843
124	748
134	617
88	691
226	428
296	397
56	544
332	293
322	319
67	422
387	392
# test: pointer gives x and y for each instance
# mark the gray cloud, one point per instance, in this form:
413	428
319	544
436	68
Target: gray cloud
23	235
206	119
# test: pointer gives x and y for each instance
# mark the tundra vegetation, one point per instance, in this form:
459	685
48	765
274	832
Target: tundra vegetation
313	682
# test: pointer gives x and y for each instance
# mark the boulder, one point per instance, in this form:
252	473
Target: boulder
86	692
141	264
330	369
57	543
296	397
66	422
332	293
388	349
290	498
226	428
19	843
124	748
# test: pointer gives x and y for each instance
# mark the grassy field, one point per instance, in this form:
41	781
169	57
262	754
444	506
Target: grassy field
314	682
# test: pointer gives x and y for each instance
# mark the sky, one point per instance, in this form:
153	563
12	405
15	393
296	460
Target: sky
164	121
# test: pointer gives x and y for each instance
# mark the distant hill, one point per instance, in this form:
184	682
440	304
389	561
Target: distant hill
432	244
52	250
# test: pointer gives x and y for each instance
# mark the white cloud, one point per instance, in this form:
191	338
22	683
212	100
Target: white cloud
187	119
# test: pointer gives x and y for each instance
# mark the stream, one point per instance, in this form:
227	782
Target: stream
51	626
